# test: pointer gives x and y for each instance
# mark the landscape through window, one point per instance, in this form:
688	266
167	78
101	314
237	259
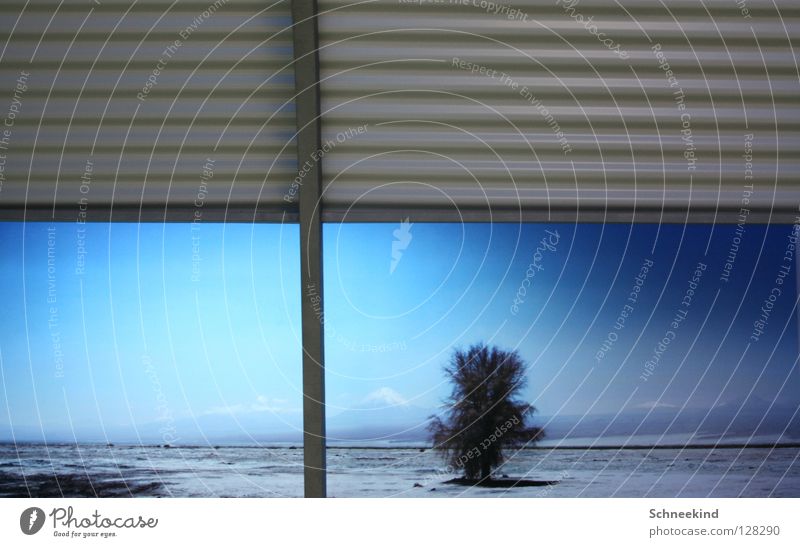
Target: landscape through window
165	359
654	354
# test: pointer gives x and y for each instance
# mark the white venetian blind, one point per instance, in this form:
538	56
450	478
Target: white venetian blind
147	109
560	110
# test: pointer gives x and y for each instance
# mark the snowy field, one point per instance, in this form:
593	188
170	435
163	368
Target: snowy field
91	470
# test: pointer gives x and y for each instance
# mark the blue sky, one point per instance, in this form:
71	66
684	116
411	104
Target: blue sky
455	285
170	325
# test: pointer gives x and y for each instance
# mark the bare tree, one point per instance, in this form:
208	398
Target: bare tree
482	414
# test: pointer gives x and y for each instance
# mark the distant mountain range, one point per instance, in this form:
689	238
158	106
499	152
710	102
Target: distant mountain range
696	426
377	423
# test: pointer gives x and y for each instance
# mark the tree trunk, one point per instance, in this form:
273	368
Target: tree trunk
486	471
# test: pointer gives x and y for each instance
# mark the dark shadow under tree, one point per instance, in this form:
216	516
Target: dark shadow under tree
483	414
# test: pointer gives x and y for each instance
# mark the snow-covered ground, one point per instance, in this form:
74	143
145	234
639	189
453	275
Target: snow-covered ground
251	471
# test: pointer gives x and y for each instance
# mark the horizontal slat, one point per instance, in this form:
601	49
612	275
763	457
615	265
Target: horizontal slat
478	145
145	107
527	113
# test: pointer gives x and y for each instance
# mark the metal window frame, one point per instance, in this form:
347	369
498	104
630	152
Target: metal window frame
309	137
311	216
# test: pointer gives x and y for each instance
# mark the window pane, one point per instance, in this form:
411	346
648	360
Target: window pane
654	354
139	358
